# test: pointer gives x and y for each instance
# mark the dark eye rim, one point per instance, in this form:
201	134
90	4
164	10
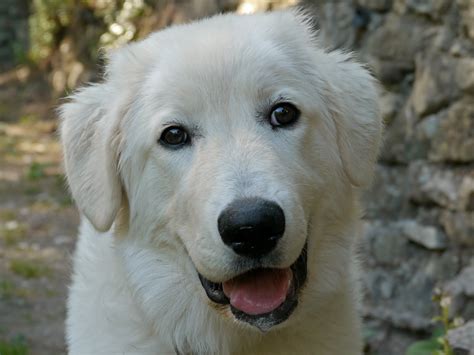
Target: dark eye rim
286	125
167	145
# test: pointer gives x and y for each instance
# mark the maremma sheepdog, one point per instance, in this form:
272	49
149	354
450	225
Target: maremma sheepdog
218	169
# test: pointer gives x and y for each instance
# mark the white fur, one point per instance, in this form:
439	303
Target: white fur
135	288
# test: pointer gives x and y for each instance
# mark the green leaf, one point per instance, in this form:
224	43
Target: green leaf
14	346
438	332
425	347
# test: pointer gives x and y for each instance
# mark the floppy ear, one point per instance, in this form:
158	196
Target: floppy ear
354	106
90	154
90	133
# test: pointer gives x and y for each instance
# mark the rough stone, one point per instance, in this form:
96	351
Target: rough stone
391	72
435	83
423	135
447	136
387	249
404	319
467	309
412	298
443	40
374	333
442	266
432	8
381	284
465	74
428	215
462	338
407	139
454	140
376	5
394	40
463	283
386	242
337	18
461	47
388	194
390	105
394	149
449	188
459	227
426	236
429	126
421	205
400	295
395	343
466	8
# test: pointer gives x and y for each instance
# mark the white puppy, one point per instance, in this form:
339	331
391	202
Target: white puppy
218	168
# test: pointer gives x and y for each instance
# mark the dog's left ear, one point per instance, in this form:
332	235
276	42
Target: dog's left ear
354	107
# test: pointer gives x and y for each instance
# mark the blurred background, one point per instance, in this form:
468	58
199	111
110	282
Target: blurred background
418	244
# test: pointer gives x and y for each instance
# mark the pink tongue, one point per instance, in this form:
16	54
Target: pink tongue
259	291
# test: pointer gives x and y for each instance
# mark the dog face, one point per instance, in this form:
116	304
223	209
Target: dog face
226	147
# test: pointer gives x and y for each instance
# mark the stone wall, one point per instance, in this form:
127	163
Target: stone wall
420	211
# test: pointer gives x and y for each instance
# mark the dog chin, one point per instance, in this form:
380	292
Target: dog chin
261	297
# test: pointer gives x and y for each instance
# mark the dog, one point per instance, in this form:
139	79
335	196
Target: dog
217	169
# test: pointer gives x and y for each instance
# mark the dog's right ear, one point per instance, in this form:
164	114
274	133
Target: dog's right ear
89	132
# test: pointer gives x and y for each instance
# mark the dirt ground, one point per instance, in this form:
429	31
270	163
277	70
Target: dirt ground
38	223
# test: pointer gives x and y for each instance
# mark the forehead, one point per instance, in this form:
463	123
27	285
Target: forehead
214	64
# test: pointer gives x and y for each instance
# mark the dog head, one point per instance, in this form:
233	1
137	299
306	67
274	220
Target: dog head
231	149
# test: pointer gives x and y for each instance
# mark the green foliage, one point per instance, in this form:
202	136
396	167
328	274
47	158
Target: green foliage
115	23
20	53
6	289
28	119
428	347
48	16
121	18
35	171
14	346
424	347
438	343
13	232
28	269
8	214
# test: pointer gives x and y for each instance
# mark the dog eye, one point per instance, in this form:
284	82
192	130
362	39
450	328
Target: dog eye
174	137
284	114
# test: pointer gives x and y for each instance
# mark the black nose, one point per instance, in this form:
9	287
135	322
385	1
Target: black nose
251	226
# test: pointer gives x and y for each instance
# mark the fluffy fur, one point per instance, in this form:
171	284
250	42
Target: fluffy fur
150	213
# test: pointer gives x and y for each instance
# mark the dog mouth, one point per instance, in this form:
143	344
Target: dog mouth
262	297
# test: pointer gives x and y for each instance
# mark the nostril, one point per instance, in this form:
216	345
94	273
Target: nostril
251	226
